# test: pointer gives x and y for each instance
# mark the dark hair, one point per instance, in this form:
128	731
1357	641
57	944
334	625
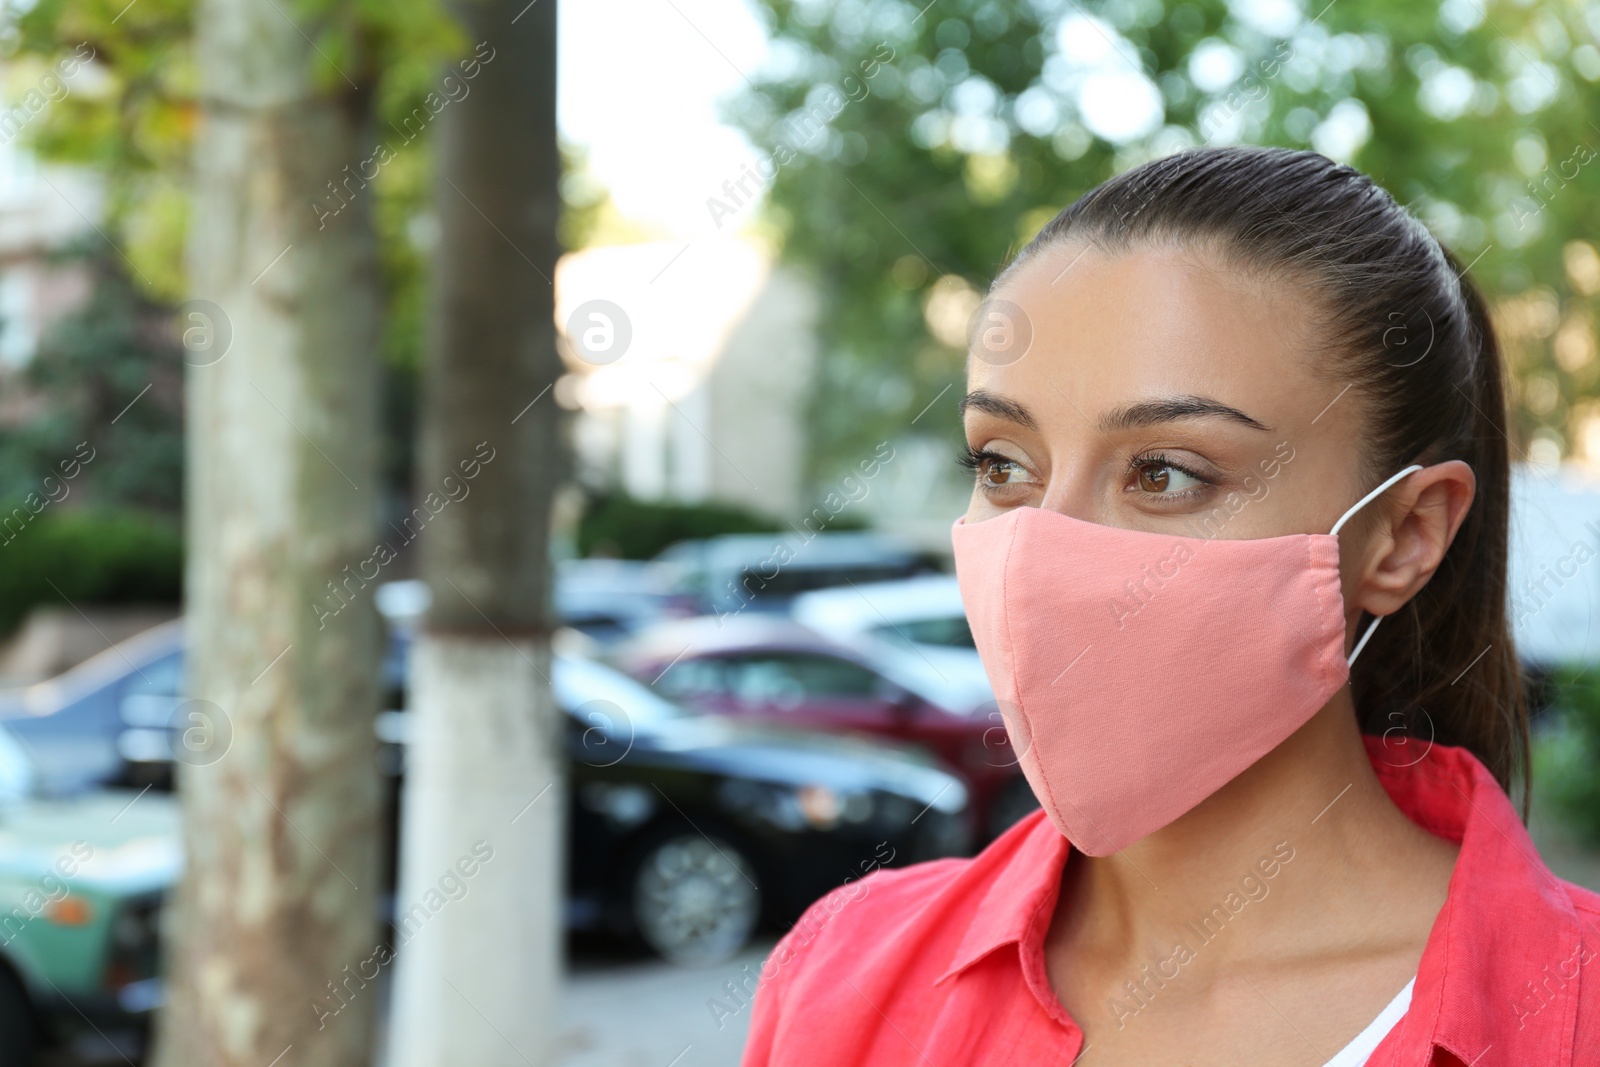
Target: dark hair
1400	320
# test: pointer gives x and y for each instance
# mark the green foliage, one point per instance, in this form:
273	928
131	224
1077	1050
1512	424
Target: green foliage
107	383
133	125
136	122
585	201
614	524
1568	755
960	134
401	215
85	556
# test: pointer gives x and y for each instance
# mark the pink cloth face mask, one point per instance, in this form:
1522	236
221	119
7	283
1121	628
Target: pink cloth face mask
1138	672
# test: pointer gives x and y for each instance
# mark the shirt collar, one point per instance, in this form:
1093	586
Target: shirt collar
1490	975
1496	971
1024	880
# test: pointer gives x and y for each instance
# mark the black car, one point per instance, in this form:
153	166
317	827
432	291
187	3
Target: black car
687	830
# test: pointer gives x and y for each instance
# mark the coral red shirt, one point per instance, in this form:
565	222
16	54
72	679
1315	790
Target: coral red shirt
941	964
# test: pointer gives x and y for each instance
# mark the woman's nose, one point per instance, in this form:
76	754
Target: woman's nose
1075	495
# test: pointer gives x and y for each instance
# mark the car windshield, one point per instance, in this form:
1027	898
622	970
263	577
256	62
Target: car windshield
588	689
911	670
950	631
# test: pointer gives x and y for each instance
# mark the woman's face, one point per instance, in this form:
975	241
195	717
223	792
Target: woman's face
1162	391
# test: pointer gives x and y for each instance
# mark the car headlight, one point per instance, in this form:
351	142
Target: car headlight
625	805
819	805
825	808
816	807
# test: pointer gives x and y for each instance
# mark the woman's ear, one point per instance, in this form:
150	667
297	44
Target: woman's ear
1406	546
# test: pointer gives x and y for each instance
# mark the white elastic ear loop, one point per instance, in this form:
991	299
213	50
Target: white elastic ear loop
1370	497
1363	502
1354	652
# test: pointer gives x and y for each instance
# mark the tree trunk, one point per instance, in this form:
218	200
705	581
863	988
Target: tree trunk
278	777
482	864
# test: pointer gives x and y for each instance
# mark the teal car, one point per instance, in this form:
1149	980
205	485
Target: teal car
82	880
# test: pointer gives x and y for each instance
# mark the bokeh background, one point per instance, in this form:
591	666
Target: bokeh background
766	228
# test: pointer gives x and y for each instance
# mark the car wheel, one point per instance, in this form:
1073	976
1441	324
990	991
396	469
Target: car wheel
19	1036
695	899
1014	800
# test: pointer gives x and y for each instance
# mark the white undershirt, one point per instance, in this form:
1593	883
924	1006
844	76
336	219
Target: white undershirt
1356	1052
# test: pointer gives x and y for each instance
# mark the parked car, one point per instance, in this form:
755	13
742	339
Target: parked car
922	616
734	573
687	830
774	669
609	599
82	881
94	724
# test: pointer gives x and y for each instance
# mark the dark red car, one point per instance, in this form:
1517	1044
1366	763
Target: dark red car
771	667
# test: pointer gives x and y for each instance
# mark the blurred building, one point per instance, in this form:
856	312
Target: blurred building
42	208
690	368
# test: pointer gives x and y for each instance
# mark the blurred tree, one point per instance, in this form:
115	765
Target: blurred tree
108	373
321	92
131	114
278	901
908	150
485	791
134	119
408	236
136	116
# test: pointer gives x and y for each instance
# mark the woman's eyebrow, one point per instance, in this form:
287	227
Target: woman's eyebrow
997	405
1173	408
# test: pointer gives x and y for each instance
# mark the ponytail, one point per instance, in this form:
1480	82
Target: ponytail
1448	669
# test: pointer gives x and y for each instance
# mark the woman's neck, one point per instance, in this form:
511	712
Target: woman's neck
1300	847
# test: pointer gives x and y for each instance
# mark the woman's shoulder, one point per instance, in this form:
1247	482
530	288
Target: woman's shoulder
894	930
1586	907
911	909
1567	969
887	901
1584	900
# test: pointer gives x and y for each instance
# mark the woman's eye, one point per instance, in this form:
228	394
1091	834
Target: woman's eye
1001	472
1158	477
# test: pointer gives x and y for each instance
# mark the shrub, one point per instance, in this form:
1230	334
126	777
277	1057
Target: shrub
1569	754
623	526
84	556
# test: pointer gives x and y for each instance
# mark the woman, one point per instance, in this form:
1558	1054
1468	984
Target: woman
1225	413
